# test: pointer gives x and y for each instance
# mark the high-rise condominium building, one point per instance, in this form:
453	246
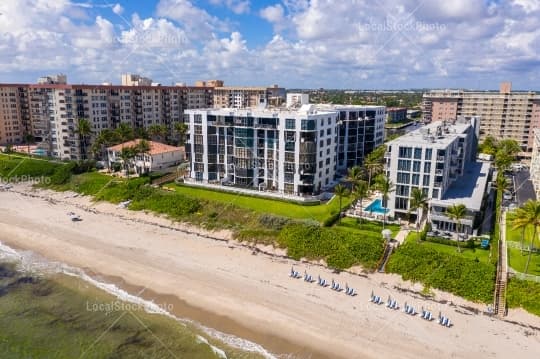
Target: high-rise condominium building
439	159
51	112
51	109
272	150
504	114
360	130
296	151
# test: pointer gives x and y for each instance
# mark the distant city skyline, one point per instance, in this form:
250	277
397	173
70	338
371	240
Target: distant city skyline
351	44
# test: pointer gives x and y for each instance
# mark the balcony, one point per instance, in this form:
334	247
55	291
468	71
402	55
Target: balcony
439	172
437	184
387	154
440	158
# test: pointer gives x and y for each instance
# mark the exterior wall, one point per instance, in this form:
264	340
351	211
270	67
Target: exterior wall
51	111
245	97
396	114
505	114
13	114
283	151
444	109
431	166
147	163
535	162
360	131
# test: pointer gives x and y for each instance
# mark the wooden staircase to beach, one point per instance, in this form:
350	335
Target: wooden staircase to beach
499	305
164	179
386	255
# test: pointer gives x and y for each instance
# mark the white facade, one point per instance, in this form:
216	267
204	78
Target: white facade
437	158
535	163
159	157
284	151
297	99
360	131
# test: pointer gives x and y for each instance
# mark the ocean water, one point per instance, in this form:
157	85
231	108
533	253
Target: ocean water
29	262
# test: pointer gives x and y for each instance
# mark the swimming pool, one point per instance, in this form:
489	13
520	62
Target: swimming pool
376	207
39	152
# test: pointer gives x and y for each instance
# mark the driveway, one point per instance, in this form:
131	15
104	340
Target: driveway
523	187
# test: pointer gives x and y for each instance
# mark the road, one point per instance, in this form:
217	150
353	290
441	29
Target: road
523	187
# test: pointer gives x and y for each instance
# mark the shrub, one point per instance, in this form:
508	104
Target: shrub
340	248
62	174
84	166
330	221
274	222
453	273
524	294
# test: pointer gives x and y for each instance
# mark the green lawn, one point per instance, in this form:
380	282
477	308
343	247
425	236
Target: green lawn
263	205
20	168
516	259
477	253
366	227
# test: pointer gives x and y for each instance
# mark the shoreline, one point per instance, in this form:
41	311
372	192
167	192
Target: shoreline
225	279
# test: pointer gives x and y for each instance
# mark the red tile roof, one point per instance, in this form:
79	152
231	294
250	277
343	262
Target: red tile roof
155	147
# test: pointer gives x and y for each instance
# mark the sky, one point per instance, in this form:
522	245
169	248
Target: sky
341	44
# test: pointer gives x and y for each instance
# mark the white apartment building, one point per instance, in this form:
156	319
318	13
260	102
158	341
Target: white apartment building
440	160
535	163
360	131
270	150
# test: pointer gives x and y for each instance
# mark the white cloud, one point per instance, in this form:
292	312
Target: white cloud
273	13
317	43
236	6
118	9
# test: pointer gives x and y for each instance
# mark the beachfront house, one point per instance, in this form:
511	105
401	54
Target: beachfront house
159	157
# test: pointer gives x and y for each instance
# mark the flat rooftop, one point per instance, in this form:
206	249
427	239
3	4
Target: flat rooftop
429	134
469	189
265	112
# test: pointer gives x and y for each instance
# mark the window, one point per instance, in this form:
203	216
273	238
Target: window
290	124
401	203
415	179
425	181
308	125
427	167
405	152
416	166
404	165
435	193
429	153
321	133
402	190
425	191
404	178
328	131
418	153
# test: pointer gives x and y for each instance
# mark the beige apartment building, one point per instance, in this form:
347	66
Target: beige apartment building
50	110
244	97
504	114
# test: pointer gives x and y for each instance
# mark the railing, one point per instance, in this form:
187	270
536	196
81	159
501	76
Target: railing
440	158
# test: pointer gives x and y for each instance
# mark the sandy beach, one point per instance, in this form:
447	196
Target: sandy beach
222	284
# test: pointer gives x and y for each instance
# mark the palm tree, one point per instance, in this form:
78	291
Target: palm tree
386	186
84	130
181	129
125	132
361	191
340	191
143	148
158	132
354	174
418	202
527	215
126	155
373	167
457	212
28	138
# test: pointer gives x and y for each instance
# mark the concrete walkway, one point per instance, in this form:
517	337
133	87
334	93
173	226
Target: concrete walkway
402	235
